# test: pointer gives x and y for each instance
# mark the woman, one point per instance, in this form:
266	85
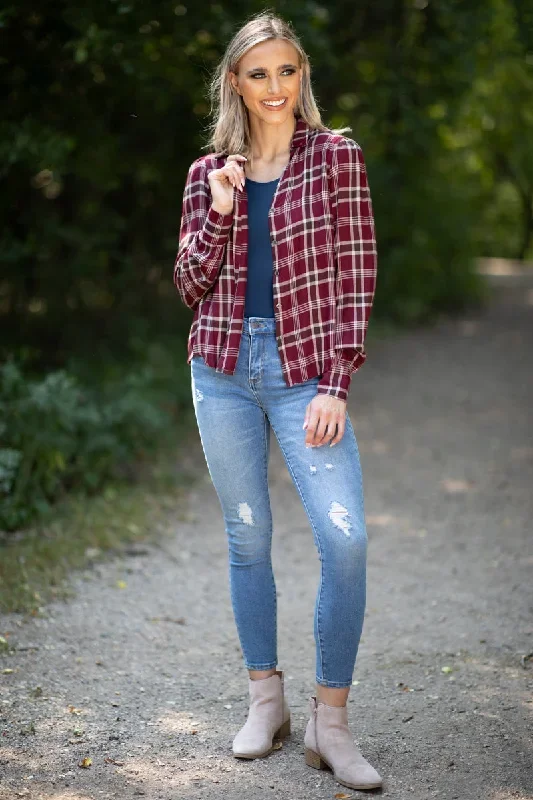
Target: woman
277	259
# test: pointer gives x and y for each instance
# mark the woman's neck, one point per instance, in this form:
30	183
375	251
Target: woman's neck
271	143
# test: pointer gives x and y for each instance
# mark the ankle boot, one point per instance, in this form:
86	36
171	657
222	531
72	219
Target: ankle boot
328	743
268	718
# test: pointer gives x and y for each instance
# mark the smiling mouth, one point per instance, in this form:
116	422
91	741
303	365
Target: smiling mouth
275	104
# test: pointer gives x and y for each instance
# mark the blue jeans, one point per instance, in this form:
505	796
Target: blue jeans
235	414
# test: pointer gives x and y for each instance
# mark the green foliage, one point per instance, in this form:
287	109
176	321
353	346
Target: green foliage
58	435
106	106
403	75
496	126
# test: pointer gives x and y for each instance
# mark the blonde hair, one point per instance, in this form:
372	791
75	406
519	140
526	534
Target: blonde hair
230	130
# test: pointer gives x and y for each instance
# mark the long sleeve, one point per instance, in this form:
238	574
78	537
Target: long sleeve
202	240
355	248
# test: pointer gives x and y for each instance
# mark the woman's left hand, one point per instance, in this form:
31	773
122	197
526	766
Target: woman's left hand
325	418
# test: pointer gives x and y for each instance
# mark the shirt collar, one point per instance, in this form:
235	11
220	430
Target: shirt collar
300	135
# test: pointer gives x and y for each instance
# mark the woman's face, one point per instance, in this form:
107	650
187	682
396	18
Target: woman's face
269	72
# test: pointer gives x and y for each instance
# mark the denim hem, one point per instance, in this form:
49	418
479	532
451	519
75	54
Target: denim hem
271	665
333	684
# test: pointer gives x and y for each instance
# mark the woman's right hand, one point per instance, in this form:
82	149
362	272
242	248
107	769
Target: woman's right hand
223	180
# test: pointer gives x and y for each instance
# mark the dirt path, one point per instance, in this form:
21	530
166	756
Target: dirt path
443	704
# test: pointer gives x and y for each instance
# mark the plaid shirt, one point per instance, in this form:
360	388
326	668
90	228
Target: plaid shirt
324	256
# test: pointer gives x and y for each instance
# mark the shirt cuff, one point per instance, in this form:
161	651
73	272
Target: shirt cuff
216	226
336	380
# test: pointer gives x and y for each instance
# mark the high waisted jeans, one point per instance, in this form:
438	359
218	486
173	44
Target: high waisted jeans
235	414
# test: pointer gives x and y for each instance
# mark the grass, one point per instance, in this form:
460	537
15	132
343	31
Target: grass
36	563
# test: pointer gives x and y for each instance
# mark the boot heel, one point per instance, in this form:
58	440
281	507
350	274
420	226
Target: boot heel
284	731
312	759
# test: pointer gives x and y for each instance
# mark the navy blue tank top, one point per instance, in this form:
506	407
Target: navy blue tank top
259	295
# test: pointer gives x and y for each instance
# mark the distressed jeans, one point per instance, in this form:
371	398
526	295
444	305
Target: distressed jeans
235	414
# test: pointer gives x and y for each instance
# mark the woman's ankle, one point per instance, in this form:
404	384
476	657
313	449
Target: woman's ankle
259	674
332	696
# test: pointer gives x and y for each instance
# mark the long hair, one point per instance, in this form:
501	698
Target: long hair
230	129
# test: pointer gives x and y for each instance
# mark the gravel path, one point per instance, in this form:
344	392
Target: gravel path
147	680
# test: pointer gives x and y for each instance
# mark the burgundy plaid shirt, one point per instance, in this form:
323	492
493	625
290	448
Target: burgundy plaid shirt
324	254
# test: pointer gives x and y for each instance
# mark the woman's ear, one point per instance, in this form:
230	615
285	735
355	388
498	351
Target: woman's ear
234	81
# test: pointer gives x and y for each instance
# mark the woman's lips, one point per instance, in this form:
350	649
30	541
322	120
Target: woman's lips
274	108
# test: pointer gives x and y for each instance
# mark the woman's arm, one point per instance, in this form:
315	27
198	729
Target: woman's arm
202	240
355	247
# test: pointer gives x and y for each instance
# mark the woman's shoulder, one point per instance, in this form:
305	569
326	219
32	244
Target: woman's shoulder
329	140
335	149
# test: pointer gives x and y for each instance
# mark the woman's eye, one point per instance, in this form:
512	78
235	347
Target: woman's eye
261	74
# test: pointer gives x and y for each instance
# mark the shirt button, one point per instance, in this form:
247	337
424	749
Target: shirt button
273	240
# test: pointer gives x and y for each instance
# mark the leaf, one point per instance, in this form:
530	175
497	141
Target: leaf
121	584
74	710
85	762
277	745
28	729
525	658
7	671
446	669
343	796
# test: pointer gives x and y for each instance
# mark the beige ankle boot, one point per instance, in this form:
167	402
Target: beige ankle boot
328	743
268	718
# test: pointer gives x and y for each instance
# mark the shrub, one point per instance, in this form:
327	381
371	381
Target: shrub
59	435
